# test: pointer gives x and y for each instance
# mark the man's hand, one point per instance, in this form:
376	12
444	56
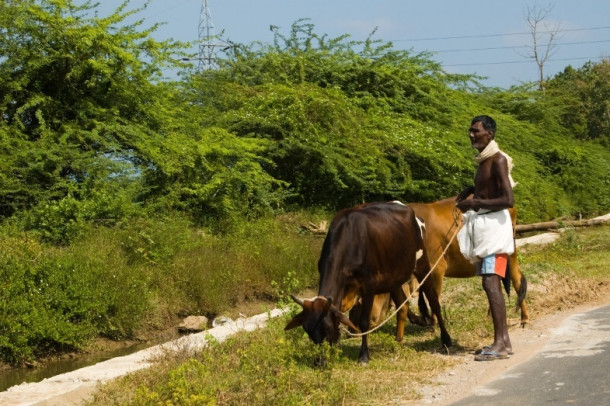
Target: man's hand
464	194
471	204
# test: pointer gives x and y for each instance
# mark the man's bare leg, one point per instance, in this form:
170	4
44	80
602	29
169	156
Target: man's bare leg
501	344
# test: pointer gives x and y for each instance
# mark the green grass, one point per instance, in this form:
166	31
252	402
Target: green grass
273	367
580	251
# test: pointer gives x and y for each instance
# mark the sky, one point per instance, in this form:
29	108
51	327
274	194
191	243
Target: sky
489	38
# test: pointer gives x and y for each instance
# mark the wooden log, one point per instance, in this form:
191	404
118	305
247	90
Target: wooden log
551	225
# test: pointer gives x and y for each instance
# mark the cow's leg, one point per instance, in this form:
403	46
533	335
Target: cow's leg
520	285
435	306
365	322
380	308
399	297
422	319
433	281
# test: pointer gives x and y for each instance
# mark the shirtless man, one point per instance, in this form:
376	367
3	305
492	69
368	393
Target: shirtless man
487	220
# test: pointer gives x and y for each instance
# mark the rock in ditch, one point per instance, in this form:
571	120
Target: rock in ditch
193	324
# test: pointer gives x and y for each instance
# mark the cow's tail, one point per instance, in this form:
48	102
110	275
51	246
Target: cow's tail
423	309
522	291
506	279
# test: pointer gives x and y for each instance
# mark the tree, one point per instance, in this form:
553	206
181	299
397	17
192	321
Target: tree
78	97
543	36
343	120
584	94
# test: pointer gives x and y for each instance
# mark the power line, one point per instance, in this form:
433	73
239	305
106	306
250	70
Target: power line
526	61
495	35
518	46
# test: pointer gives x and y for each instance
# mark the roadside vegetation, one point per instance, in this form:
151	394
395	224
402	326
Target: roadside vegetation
274	367
129	200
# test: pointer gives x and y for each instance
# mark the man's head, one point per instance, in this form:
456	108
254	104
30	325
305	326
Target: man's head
482	131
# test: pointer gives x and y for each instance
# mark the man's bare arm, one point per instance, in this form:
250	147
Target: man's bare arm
504	199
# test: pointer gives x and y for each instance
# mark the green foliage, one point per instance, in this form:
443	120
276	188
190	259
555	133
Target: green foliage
242	266
214	176
267	377
63	221
115	282
307	121
76	95
558	174
56	300
347	122
316	142
585	94
342	127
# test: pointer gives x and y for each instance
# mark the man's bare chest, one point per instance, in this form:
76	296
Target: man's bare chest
485	183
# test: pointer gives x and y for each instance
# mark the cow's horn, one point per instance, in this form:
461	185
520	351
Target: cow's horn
297	300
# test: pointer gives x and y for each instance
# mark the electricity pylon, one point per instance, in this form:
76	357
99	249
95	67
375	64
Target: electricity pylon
207	39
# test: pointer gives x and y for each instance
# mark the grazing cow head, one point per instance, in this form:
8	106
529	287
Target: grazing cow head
320	319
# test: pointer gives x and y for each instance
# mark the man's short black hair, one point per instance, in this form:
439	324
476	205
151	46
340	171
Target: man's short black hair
488	123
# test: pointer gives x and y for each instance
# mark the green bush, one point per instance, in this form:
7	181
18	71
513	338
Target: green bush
118	281
56	299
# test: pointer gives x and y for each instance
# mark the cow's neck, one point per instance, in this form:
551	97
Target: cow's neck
332	285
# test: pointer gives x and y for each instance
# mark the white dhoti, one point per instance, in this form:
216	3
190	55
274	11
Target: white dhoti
485	233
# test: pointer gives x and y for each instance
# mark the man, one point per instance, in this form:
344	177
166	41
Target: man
486	238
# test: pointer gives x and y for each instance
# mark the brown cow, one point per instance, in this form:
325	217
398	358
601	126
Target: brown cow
368	250
441	219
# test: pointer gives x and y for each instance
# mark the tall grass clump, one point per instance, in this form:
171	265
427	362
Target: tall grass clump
263	259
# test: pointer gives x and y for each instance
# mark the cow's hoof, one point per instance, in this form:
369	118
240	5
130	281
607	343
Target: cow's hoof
320	362
363	358
420	321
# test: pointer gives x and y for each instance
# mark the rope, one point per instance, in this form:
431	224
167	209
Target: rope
377	327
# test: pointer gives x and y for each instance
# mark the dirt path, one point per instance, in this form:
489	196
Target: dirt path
469	376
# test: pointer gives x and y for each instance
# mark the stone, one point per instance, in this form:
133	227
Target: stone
193	324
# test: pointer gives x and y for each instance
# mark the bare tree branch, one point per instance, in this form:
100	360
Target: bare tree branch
544	38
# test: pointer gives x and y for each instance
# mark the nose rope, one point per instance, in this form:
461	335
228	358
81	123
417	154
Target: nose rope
377	327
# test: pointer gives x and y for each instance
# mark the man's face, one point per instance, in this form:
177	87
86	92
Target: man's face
479	136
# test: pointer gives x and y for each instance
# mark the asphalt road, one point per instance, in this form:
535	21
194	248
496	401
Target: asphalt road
572	368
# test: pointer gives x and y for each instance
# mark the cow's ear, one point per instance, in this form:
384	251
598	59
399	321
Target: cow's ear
295	322
344	319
